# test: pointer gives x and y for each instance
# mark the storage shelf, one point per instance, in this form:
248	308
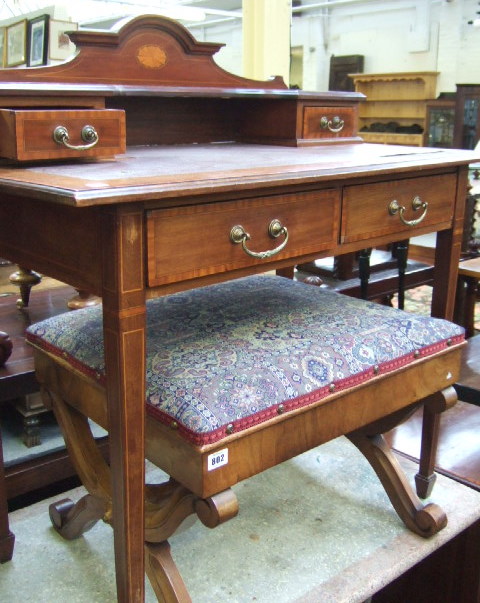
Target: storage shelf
395	97
417	85
390	116
393	138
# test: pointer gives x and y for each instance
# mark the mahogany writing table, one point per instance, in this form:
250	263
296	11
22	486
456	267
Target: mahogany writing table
159	218
102	231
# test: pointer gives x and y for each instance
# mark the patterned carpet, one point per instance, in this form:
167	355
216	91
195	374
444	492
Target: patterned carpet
419	300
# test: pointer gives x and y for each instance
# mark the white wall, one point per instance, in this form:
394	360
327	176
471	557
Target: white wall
393	36
230	34
404	35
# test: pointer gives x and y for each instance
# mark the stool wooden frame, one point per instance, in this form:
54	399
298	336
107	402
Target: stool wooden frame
192	490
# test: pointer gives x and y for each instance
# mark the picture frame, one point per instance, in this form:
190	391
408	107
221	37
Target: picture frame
16	44
61	47
37	41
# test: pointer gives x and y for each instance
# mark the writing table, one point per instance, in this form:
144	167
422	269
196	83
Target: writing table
162	217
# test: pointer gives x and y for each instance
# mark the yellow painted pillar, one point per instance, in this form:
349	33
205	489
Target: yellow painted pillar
266	38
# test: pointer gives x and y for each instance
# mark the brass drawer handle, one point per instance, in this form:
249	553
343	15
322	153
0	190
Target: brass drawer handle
239	235
89	135
334	125
417	204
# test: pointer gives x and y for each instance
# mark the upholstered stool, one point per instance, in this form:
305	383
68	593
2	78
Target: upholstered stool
240	377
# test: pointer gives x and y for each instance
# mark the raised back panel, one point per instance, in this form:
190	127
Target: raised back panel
147	50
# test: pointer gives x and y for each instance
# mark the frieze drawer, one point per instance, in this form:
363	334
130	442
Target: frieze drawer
44	134
397	206
329	122
200	240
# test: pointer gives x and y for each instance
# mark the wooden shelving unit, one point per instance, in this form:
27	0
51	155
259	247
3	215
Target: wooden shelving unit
396	106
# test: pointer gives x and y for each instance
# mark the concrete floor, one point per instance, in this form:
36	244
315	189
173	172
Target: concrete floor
318	528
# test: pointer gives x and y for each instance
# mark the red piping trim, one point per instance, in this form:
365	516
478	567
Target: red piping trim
211	437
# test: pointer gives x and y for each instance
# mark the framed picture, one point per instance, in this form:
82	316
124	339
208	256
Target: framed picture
61	47
2	47
16	44
37	41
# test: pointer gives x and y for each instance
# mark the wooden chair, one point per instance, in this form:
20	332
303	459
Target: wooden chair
372	274
240	377
467	292
378	274
458	454
468	384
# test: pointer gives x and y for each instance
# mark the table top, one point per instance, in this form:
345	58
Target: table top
156	172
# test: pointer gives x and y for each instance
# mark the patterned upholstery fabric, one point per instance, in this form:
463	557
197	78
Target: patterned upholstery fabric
225	357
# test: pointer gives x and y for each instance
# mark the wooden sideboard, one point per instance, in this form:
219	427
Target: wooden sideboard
207	154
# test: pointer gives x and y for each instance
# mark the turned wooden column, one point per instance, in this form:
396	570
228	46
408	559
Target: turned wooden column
25	279
6	347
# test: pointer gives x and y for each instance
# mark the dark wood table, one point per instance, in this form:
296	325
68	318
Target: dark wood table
17	378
